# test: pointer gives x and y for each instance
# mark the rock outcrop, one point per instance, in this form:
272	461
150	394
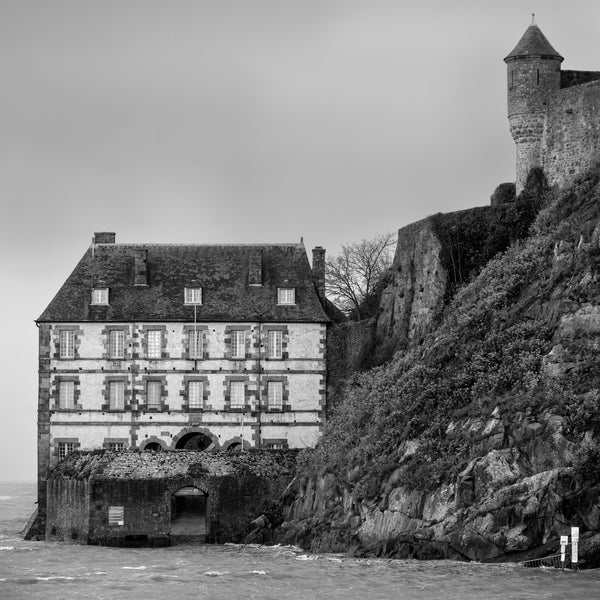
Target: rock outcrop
512	502
480	438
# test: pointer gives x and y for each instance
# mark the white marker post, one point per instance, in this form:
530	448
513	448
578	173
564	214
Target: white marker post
575	547
564	540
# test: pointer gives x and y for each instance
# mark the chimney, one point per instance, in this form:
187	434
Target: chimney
140	266
318	271
104	237
255	266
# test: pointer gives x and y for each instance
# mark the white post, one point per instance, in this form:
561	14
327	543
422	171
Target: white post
564	540
575	546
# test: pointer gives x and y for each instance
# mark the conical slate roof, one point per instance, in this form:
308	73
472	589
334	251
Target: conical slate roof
533	43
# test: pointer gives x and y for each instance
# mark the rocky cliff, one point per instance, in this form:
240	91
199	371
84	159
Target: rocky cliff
479	440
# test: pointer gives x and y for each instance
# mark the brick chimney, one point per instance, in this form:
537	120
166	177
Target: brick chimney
318	271
140	266
255	266
104	237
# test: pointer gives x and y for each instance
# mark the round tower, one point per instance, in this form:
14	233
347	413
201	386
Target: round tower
533	70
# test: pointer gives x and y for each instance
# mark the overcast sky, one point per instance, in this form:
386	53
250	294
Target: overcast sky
240	121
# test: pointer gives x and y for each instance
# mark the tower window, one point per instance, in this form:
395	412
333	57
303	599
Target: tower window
538	76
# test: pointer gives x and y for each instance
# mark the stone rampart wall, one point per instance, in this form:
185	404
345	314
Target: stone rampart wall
571	139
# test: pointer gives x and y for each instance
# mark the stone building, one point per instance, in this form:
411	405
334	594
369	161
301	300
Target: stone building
554	115
134	498
197	347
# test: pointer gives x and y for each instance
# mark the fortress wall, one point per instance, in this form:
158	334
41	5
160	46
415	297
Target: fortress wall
571	139
570	78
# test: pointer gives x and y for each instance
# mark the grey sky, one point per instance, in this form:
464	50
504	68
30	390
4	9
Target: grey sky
240	121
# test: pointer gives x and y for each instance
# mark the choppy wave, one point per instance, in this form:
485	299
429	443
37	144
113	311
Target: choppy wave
215	573
140	568
5	548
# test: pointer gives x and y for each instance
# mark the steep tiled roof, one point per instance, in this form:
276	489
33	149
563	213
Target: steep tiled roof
220	270
533	43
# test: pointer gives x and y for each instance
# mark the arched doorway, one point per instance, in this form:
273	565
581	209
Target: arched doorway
153	447
188	514
194	441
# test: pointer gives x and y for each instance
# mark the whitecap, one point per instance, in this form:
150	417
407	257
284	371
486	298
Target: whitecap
54	577
134	568
306	557
7	548
258	572
215	573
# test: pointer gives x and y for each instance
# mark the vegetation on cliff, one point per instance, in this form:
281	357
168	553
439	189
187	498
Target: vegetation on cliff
495	352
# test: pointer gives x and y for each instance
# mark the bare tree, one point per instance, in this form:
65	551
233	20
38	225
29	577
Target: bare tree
352	275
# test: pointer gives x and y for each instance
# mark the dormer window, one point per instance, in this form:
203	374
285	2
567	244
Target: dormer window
193	295
100	295
286	295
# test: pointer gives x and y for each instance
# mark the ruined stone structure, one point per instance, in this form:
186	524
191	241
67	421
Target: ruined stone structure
154	499
202	347
554	115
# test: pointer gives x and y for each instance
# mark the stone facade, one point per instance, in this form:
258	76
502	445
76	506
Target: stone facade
129	375
554	116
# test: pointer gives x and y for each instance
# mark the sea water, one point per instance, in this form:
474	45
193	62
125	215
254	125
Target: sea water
54	571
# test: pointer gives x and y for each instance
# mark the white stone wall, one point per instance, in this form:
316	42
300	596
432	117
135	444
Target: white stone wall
93	424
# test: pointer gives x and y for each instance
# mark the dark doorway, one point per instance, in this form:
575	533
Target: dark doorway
235	447
194	441
153	447
188	515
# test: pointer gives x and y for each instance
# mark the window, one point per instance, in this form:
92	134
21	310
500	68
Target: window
116	515
238	343
193	295
115	446
195	343
66	395
237	394
65	448
100	296
275	445
286	295
154	343
116	392
275	344
195	394
67	344
116	343
153	394
275	394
